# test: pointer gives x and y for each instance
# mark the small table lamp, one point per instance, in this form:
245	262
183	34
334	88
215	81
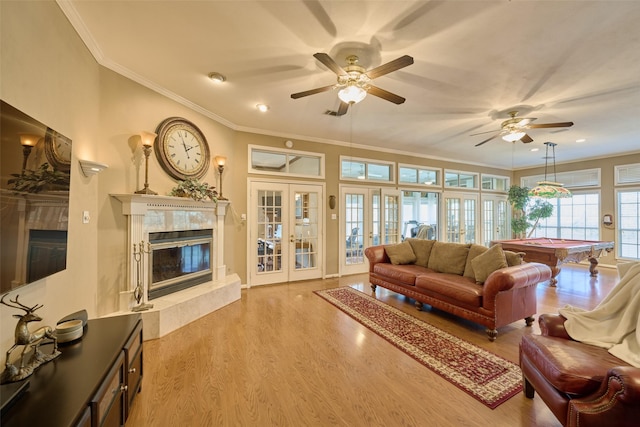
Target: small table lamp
220	161
147	144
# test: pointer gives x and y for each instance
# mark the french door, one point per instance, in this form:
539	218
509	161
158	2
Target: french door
285	229
495	218
369	217
461	217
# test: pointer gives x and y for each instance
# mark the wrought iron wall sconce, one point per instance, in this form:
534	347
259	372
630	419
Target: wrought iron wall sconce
147	144
90	168
220	162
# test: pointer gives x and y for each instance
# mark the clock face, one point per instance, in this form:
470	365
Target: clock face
182	149
58	150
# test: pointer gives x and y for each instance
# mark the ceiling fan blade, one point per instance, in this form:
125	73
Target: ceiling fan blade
388	96
489	131
394	65
526	139
488	139
524	122
312	91
342	109
330	63
551	125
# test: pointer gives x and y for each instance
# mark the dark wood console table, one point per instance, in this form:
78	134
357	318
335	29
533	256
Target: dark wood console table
92	383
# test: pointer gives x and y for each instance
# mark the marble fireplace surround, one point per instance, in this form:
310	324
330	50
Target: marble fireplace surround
147	214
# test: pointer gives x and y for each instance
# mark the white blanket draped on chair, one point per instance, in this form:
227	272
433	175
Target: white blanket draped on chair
615	323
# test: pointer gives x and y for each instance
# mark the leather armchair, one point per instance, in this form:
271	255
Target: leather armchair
583	385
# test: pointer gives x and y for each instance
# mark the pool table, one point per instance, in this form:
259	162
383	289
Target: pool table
554	252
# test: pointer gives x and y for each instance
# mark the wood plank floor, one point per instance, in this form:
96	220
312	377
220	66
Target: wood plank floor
282	356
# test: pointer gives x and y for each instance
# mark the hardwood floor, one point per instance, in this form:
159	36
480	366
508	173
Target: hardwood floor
282	356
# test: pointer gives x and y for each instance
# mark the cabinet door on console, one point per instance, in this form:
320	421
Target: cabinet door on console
133	364
107	406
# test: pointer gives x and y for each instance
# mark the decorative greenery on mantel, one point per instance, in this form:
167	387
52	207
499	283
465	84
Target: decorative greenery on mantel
195	189
39	180
525	214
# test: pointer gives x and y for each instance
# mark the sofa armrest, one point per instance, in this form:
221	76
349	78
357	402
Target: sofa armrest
553	325
517	276
615	403
376	254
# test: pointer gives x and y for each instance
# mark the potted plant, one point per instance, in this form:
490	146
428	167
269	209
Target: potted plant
195	189
41	179
526	214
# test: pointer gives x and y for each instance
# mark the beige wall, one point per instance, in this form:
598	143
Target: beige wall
48	73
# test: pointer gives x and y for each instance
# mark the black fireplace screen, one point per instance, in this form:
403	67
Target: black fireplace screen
179	259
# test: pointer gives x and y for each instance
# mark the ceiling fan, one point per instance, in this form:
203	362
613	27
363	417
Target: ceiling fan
514	129
354	81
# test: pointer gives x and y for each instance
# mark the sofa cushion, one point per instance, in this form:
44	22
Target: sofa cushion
514	258
448	257
422	249
474	251
570	366
400	253
485	264
453	286
399	274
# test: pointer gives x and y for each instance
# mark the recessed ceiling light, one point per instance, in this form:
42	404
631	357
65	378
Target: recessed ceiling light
534	149
217	77
262	107
580	140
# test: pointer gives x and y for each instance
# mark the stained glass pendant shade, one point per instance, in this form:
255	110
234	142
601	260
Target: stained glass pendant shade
549	189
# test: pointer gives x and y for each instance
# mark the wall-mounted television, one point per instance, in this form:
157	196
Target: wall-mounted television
35	167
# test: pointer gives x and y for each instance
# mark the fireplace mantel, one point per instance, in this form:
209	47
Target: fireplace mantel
154	213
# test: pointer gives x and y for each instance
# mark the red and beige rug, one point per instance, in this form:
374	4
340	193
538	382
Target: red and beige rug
488	377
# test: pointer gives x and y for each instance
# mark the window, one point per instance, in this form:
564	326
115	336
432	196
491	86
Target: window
627	174
628	241
366	170
577	217
418	175
273	161
420	214
495	183
580	178
466	180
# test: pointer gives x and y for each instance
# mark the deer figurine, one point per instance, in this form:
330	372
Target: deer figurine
27	339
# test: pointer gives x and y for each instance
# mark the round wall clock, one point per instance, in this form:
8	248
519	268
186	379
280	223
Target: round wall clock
57	148
182	149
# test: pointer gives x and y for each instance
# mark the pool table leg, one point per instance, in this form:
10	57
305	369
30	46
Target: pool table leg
554	272
592	267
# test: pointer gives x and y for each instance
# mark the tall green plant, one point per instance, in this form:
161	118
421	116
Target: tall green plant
526	214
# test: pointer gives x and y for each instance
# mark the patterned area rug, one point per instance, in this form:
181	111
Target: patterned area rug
487	377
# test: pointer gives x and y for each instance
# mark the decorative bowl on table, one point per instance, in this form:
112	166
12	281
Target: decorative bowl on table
69	331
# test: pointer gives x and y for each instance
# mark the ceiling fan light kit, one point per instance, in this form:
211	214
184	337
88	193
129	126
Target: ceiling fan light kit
352	94
514	136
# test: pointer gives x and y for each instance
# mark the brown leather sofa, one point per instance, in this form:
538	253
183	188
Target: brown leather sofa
583	385
507	295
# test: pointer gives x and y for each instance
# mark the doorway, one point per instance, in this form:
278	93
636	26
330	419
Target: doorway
285	230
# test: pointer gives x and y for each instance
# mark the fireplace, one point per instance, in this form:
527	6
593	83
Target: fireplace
175	255
179	260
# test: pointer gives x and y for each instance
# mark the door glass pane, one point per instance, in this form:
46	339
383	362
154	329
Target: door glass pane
489	221
391	219
420	214
469	221
375	220
269	230
453	220
501	220
354	227
306	230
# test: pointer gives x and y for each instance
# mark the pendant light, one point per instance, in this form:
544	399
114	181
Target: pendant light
548	189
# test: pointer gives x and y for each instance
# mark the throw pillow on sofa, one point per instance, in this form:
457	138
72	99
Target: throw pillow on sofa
493	259
422	249
448	257
474	251
514	258
400	253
